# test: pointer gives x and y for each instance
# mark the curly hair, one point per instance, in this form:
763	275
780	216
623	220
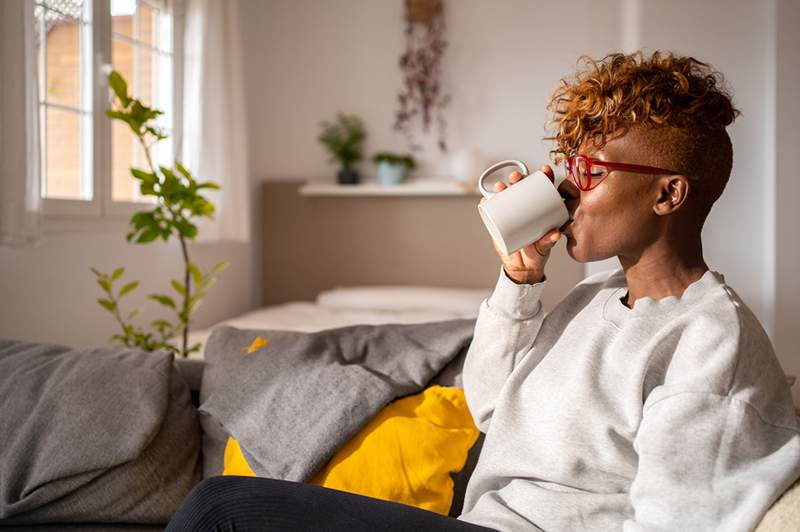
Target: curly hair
621	91
682	96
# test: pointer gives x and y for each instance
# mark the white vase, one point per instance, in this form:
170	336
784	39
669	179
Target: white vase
465	167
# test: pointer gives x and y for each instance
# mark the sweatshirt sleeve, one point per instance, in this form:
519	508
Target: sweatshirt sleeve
507	324
709	462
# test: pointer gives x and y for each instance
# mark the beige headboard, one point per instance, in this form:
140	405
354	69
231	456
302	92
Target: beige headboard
313	243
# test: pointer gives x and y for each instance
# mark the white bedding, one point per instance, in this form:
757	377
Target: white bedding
369	305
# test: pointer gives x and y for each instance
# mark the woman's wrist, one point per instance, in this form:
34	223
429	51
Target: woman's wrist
524	277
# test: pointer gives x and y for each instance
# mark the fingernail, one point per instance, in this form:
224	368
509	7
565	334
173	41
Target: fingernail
554	238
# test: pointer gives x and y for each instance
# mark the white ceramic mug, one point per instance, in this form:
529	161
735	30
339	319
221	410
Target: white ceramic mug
523	212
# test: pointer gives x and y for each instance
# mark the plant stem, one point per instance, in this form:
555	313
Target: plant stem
186	273
186	281
118	316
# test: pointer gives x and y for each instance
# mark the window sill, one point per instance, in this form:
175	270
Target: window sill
74	216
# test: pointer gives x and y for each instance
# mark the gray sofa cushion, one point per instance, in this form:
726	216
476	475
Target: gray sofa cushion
99	436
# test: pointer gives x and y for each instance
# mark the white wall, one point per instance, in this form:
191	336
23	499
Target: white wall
787	188
48	293
308	59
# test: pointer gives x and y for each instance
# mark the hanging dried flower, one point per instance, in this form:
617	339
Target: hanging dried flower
421	96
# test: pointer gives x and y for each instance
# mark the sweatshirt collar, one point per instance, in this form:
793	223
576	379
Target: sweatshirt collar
617	313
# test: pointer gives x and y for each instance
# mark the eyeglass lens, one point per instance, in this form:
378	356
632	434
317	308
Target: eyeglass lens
577	169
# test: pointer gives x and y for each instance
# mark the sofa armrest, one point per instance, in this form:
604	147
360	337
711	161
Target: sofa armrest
784	514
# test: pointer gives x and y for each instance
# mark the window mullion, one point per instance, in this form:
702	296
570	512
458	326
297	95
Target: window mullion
101	124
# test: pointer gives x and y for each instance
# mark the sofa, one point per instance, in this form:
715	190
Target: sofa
148	443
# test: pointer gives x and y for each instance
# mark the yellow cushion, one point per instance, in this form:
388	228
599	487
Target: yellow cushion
404	454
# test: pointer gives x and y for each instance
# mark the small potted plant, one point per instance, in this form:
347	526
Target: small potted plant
393	167
344	139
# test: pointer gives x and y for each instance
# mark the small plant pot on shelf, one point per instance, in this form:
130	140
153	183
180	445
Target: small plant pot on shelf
390	174
347	176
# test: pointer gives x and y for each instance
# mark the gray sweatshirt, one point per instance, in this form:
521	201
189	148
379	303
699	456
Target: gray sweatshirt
673	415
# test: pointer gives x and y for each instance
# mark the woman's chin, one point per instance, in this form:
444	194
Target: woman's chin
574	251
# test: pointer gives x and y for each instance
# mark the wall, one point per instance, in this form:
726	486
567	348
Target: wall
309	59
49	294
787	187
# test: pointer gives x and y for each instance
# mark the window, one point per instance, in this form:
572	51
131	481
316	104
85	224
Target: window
64	52
85	156
141	36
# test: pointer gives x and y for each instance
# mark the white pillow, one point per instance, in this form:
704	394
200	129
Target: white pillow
404	298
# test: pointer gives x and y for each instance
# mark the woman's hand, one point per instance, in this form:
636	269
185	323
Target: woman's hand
526	266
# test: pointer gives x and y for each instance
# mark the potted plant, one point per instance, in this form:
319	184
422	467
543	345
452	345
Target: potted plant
393	167
344	139
179	204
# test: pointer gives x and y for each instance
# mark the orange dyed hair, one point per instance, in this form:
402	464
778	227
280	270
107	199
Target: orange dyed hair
622	91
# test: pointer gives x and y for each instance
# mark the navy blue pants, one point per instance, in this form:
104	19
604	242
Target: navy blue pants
245	504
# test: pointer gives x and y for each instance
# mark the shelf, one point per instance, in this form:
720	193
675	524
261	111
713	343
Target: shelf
415	187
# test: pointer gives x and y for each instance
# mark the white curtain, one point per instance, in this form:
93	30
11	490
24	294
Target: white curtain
214	143
20	197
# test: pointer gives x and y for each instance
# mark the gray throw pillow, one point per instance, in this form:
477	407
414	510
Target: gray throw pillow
109	435
293	403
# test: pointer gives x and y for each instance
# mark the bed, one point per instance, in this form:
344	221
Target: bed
342	306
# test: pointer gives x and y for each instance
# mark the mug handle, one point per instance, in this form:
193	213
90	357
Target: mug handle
495	167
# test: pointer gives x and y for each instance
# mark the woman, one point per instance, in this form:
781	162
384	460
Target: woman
650	396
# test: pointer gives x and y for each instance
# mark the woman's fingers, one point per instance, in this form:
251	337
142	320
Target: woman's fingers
543	246
514	177
549	173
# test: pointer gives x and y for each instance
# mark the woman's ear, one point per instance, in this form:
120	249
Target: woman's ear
672	193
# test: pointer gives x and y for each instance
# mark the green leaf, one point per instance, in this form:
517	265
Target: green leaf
207	283
157	133
105	283
161	325
197	277
185	228
163	299
143	218
195	305
148	235
219	267
209	184
128	287
107	304
133	314
117	273
119	115
182	169
119	86
144	177
178	286
96	272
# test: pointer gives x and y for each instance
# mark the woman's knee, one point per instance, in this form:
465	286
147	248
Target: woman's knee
213	499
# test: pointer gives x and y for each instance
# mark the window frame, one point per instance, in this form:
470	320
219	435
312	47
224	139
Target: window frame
102	204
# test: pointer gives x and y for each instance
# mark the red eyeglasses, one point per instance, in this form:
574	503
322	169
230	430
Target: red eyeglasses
587	173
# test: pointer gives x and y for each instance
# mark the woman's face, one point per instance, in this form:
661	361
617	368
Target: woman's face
616	217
